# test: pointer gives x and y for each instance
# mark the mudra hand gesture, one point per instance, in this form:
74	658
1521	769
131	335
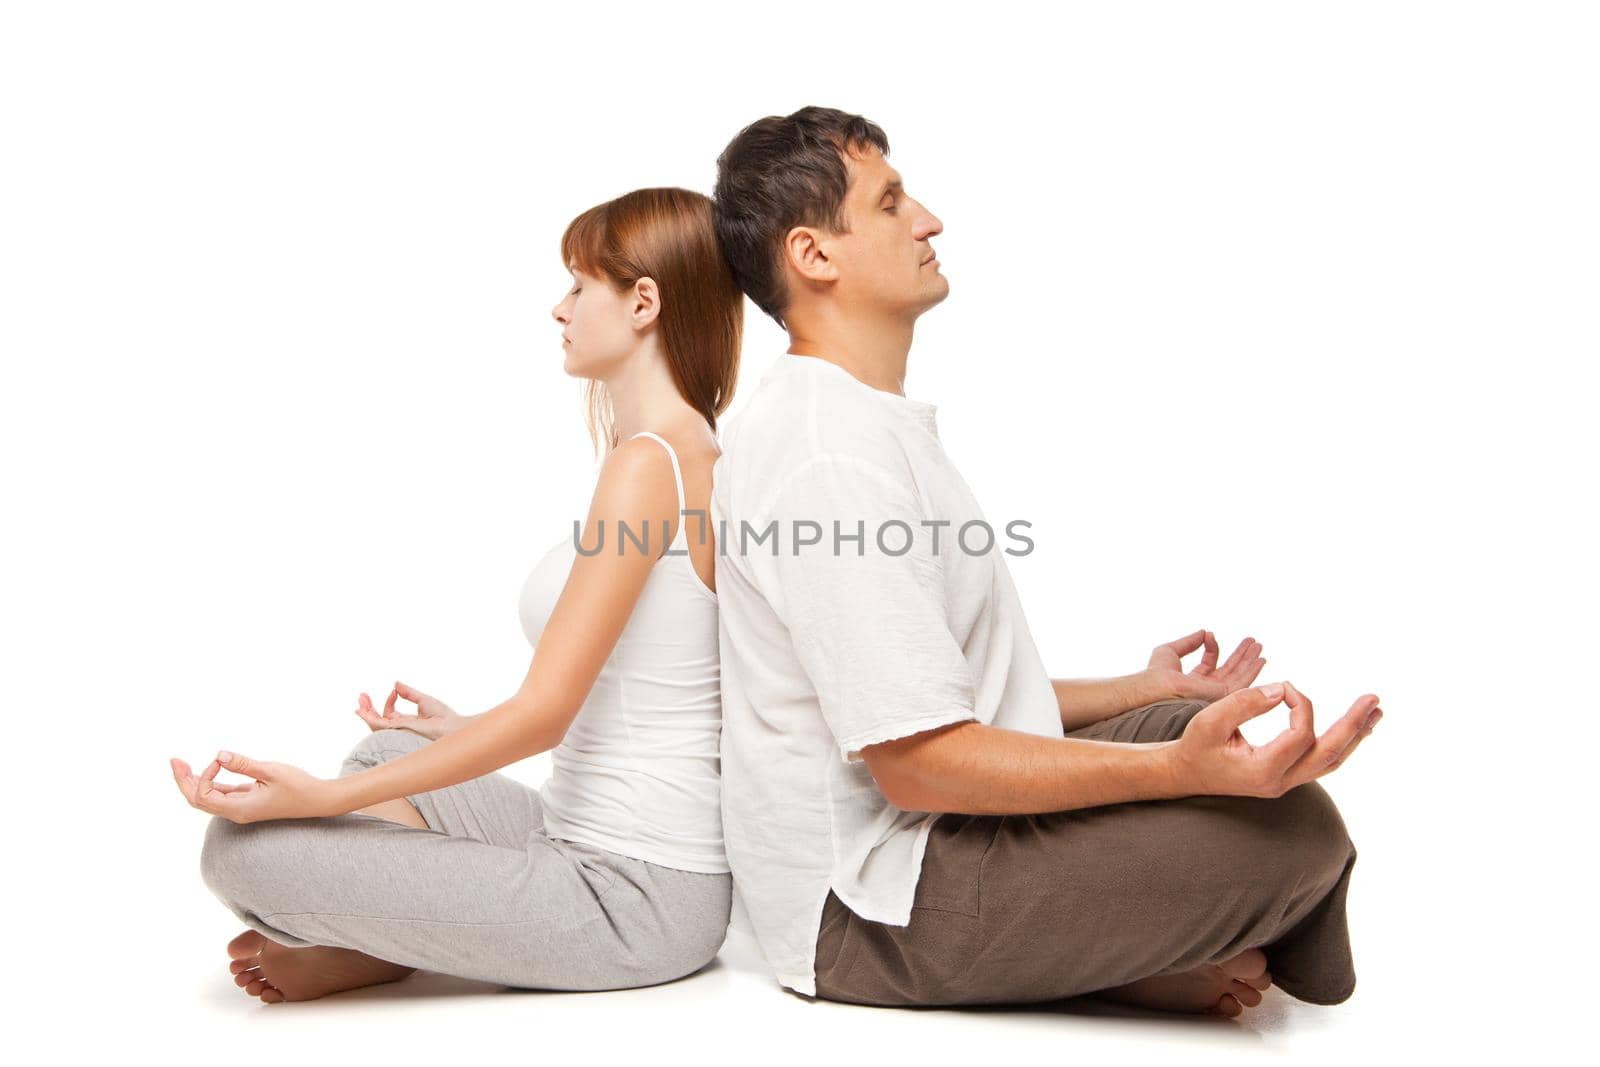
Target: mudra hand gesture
276	790
434	718
1207	681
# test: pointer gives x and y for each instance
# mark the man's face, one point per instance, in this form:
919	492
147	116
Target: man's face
885	261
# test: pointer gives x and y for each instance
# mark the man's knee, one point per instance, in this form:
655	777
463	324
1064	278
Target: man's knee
1317	829
1166	720
380	746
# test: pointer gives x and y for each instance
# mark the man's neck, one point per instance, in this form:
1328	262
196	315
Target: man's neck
873	353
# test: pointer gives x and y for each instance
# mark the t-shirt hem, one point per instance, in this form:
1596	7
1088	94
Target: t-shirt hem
635	851
800	983
852	746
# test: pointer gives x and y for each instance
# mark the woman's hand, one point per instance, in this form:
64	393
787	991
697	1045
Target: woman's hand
433	720
1207	681
278	791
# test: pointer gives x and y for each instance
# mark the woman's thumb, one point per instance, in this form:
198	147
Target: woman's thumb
240	764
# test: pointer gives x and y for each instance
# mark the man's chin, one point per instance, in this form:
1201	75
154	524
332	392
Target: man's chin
937	293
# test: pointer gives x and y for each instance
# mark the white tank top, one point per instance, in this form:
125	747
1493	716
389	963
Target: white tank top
638	771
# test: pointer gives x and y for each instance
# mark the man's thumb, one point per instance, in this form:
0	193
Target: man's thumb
1246	704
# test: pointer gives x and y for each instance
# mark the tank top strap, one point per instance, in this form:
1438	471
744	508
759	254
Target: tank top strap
677	476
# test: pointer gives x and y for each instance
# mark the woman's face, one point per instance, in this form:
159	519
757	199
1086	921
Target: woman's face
599	326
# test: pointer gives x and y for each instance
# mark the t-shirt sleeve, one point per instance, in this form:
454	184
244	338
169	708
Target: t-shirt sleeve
867	616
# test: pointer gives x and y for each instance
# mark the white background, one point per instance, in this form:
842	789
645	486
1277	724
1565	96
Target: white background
1275	319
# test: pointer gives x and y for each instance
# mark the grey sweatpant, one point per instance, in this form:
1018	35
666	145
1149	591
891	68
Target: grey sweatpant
483	893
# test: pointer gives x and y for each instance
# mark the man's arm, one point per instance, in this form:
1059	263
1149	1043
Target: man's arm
974	768
1089	700
979	769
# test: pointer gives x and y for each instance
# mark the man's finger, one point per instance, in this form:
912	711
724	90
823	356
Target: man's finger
1283	751
1238	657
1318	760
1245	704
1208	659
1361	735
1185	644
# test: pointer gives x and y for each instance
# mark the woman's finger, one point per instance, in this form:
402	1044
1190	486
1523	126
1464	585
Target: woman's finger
365	712
204	783
184	777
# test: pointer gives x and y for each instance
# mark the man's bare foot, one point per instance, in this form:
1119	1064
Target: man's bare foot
1225	988
263	968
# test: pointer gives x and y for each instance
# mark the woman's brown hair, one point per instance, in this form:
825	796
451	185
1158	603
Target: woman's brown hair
668	235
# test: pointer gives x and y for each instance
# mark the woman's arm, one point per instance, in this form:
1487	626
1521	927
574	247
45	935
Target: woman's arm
635	486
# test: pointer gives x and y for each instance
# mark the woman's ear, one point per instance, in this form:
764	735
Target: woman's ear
646	303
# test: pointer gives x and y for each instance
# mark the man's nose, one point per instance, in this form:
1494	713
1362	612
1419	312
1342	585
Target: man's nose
929	225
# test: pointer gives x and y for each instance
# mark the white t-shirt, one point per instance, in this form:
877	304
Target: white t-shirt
824	654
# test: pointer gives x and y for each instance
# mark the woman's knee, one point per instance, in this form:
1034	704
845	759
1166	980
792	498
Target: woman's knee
380	746
224	858
259	863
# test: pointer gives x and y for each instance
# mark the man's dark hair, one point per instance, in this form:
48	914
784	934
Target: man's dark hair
778	173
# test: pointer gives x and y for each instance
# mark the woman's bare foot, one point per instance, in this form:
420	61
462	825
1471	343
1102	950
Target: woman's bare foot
1225	988
263	968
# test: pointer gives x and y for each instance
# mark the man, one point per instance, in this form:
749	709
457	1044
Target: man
915	813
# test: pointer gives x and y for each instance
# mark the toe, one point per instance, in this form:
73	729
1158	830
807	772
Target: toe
272	995
255	987
1229	1006
240	966
1245	994
245	945
1251	963
245	978
1262	982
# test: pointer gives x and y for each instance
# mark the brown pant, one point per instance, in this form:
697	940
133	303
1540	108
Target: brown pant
1027	908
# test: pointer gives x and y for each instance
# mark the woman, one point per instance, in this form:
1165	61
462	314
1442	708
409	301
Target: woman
417	856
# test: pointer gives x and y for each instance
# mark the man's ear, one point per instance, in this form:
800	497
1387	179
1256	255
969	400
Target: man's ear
646	303
807	251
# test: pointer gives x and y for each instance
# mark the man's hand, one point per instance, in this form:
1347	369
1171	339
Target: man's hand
1207	681
1212	758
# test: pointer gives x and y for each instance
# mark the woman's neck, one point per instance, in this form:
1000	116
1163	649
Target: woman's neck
644	397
